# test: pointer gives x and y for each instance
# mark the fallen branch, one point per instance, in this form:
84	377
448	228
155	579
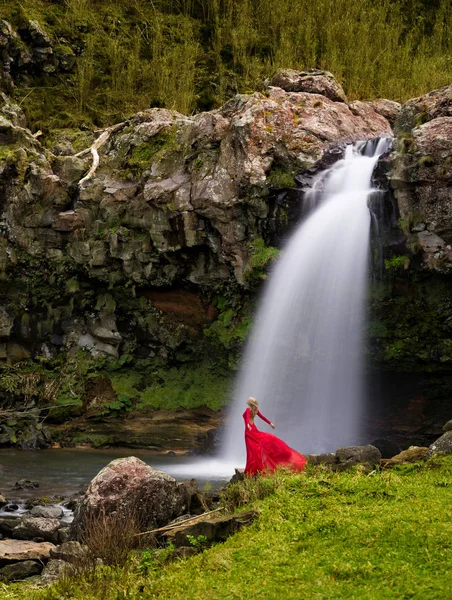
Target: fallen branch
104	136
181	523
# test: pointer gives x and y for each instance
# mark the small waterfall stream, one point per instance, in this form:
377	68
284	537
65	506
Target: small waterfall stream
304	361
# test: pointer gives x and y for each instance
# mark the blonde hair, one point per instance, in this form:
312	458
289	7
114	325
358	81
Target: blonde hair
253	404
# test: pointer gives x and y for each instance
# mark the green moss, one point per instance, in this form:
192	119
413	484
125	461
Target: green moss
280	179
260	258
141	157
397	262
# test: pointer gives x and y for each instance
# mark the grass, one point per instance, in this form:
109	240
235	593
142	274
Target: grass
192	56
319	535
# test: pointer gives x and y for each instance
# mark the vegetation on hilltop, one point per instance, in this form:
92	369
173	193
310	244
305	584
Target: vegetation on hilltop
375	536
194	54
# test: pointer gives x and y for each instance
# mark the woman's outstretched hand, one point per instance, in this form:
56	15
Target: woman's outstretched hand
272	426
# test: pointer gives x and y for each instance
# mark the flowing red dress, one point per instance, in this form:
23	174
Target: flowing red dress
265	452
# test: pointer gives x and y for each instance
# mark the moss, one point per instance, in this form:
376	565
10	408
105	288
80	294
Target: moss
260	258
280	179
397	262
141	157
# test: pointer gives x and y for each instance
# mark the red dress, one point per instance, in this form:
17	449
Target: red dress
264	451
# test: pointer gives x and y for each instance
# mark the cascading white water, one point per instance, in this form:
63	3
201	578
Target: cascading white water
304	359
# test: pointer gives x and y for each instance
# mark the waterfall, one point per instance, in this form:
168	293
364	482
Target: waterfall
304	360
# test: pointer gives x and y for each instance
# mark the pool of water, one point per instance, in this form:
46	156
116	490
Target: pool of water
67	471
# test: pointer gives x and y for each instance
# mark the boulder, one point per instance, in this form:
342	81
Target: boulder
321	459
357	455
37	527
17	550
54	570
21	570
129	487
312	82
3	501
387	108
47	512
71	552
447	426
441	445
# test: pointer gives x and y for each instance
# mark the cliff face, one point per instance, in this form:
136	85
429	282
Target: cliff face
151	262
179	207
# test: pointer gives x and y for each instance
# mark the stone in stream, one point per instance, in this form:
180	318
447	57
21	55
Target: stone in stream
47	512
441	445
18	550
3	500
130	488
24	484
37	527
21	570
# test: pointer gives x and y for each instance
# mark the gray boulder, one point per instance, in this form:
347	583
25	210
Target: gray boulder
321	459
442	444
47	512
71	552
357	455
37	527
130	488
55	569
21	570
447	426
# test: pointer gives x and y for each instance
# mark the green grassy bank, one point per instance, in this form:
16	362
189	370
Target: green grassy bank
382	535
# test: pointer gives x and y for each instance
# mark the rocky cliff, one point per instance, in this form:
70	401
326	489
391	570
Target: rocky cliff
130	285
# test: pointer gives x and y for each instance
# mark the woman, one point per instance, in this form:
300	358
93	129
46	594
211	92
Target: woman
264	451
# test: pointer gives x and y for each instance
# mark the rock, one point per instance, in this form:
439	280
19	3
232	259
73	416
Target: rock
21	570
17	550
54	570
421	174
47	512
447	426
195	501
313	82
7	526
3	501
387	448
71	552
357	455
131	488
25	484
64	535
213	528
34	527
239	475
321	459
413	454
387	108
6	322
442	445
